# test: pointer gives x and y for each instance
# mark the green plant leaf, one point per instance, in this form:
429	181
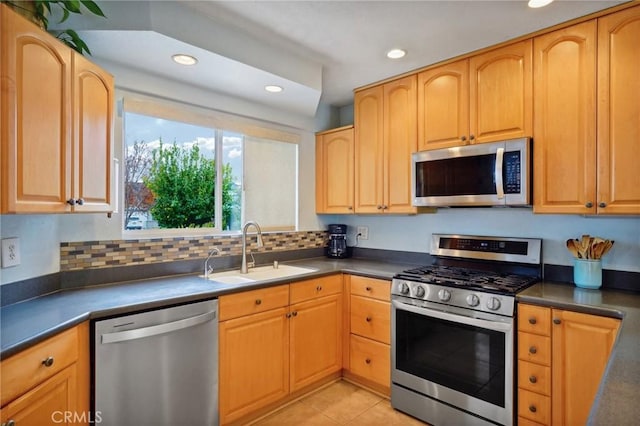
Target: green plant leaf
70	5
65	15
93	7
73	40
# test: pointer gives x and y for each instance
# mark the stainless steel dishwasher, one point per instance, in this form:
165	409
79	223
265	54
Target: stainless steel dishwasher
158	367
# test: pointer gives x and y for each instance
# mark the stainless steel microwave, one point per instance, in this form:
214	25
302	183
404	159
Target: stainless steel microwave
488	174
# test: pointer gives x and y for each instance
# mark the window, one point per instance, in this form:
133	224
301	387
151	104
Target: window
187	173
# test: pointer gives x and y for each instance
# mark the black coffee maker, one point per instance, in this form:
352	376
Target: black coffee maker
338	242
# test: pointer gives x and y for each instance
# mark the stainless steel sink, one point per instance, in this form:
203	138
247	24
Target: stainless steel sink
261	273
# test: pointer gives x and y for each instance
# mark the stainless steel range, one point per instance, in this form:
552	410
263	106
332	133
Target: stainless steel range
453	329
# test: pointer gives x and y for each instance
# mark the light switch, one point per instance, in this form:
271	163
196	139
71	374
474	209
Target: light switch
10	252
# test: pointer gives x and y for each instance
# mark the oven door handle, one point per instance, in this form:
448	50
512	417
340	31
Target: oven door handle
478	322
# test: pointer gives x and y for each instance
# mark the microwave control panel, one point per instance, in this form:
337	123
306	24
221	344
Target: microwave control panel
512	172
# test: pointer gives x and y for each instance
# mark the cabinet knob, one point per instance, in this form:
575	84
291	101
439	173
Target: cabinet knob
589	204
48	362
80	201
533	408
471	137
368	319
602	205
368	361
557	321
319	288
368	288
533	350
258	302
71	202
463	138
384	207
533	379
294	313
379	207
533	320
288	315
350	208
9	423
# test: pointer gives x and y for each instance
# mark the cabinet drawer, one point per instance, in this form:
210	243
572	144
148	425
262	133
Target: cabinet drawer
27	369
534	348
316	287
526	422
534	319
371	287
533	406
371	318
370	360
254	301
534	377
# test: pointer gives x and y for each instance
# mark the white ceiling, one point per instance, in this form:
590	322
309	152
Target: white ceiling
317	50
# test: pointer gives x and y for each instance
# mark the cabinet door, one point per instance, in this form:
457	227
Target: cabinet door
619	112
334	172
501	93
316	340
400	141
36	125
93	118
564	126
368	116
47	403
254	363
581	347
443	106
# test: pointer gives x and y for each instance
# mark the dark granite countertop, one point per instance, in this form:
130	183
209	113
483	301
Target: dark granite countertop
616	401
29	322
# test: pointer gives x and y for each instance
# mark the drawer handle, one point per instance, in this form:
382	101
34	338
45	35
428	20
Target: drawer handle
533	350
368	319
368	361
533	379
258	302
557	321
533	408
319	288
48	362
532	320
368	288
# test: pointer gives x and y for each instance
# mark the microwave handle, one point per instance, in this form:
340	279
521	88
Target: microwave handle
498	173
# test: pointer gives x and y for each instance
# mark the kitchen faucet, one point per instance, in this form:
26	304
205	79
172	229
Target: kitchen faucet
207	268
244	269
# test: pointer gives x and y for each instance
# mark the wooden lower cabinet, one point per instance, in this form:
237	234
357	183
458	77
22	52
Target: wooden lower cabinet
48	384
561	358
315	340
292	342
254	362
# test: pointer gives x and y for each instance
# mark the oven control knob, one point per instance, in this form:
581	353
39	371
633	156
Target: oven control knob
444	295
493	303
473	300
420	291
404	288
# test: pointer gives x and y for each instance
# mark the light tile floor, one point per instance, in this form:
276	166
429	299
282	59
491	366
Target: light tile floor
340	403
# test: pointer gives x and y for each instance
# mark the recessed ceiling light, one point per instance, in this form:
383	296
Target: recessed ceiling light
272	88
538	3
183	59
396	53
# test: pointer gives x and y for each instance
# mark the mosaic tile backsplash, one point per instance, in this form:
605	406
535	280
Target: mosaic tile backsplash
106	254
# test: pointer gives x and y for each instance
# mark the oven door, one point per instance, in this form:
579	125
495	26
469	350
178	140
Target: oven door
460	357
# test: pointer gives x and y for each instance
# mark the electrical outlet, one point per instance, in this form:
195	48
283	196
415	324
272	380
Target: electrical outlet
364	232
10	252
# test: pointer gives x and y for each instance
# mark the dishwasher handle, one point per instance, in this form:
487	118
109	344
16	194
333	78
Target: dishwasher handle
140	333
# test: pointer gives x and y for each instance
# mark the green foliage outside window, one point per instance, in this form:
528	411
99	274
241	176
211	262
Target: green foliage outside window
183	185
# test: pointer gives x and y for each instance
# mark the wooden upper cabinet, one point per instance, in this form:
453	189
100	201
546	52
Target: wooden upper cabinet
618	187
400	141
443	106
501	93
385	137
93	118
56	124
334	171
36	118
565	120
369	151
